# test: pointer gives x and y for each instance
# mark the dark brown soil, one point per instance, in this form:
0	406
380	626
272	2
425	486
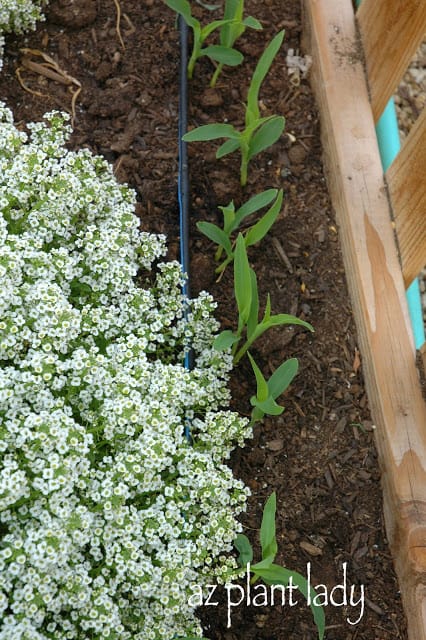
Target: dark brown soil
319	456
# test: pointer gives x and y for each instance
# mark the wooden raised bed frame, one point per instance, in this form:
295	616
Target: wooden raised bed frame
388	32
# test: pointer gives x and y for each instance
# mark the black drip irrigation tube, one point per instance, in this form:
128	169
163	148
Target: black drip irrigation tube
183	183
183	179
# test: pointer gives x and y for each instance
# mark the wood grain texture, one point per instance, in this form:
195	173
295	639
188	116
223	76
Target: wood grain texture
423	354
391	32
377	290
407	187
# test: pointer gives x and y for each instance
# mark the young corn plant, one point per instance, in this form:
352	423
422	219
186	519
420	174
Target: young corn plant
222	53
229	33
259	132
247	299
269	390
271	573
232	221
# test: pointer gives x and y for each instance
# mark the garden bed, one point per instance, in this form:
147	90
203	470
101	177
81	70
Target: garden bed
319	456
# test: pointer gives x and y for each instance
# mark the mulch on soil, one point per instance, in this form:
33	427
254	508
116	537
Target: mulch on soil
319	456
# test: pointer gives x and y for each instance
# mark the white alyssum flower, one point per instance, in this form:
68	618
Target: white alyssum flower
107	513
17	16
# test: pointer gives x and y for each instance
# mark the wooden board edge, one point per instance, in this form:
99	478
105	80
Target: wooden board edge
423	355
391	36
407	189
377	290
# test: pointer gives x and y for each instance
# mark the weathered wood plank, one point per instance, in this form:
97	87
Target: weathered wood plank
423	354
407	187
391	32
377	290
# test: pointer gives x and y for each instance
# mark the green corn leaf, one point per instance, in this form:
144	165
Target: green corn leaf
228	147
233	9
261	228
224	264
228	217
211	132
277	321
260	72
231	32
262	385
268	406
224	55
285	318
216	234
256	415
253	125
242	281
268	540
252	23
282	377
235	31
274	574
225	340
242	544
251	121
212	26
266	135
209	7
259	566
184	9
255	203
254	309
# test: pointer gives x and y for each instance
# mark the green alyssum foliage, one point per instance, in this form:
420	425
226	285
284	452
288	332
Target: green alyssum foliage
231	27
232	220
272	573
17	16
259	132
107	513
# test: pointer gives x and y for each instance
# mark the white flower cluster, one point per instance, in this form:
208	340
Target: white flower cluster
17	16
107	513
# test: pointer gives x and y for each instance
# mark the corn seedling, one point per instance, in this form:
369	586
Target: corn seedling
274	574
269	390
247	299
219	53
259	132
229	33
232	220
